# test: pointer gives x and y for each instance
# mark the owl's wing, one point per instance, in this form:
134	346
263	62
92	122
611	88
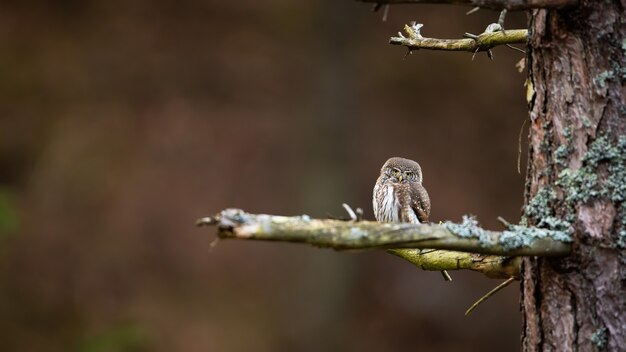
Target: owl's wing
420	202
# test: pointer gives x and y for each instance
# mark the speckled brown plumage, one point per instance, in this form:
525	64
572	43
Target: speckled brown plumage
399	195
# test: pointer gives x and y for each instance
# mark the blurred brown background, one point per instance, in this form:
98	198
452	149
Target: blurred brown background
122	122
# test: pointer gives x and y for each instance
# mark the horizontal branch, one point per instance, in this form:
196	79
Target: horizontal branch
436	260
488	4
343	235
475	43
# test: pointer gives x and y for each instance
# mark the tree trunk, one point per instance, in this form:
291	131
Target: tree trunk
577	178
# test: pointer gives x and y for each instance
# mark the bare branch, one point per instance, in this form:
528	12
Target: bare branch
472	43
342	235
489	4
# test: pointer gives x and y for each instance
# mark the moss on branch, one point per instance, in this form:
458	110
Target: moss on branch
343	235
435	260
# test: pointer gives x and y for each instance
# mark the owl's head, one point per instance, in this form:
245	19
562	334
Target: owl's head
401	170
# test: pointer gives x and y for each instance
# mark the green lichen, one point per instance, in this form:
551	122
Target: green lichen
561	153
544	146
567	133
621	239
469	228
621	234
541	208
586	121
578	186
517	236
583	184
616	181
599	338
570	189
600	80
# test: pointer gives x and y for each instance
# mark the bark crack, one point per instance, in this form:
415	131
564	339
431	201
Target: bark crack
538	303
574	308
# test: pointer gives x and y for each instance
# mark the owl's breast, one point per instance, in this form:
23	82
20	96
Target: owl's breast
386	204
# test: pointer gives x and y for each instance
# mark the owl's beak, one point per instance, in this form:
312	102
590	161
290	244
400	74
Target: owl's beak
400	178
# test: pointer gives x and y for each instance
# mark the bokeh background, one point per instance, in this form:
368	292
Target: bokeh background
122	122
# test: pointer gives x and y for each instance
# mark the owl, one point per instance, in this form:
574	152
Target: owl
399	195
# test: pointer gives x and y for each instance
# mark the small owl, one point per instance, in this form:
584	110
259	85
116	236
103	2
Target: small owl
399	195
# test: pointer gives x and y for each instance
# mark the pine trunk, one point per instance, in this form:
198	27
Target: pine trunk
577	178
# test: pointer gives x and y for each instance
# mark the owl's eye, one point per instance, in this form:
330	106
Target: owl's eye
408	174
395	172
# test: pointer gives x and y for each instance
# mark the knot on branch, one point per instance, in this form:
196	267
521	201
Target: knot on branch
413	31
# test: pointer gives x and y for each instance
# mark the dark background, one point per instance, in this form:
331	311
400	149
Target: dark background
123	122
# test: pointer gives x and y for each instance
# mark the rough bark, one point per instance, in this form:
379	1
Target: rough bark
577	178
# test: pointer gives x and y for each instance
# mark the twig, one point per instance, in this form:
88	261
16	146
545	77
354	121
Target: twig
514	5
350	212
385	12
489	294
505	223
474	9
501	19
355	215
516	49
519	148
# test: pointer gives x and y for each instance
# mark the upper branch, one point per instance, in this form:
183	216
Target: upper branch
341	235
473	43
488	4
